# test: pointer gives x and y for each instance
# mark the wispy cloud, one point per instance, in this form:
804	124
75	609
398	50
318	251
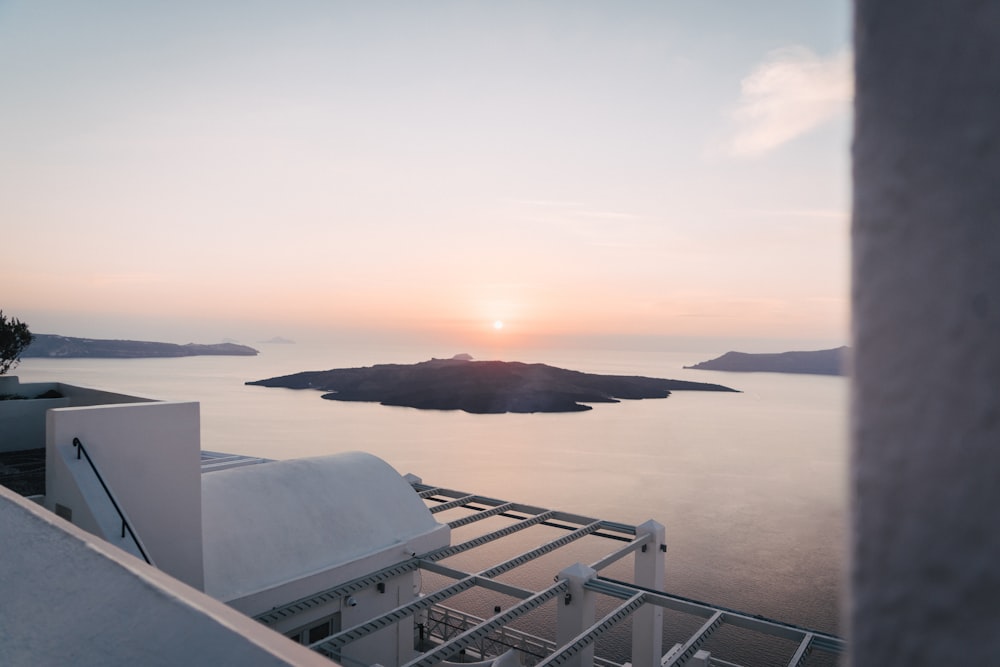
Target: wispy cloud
548	203
790	93
124	279
814	213
593	226
570	210
608	215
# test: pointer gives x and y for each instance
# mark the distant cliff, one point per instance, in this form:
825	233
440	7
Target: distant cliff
47	345
481	386
818	362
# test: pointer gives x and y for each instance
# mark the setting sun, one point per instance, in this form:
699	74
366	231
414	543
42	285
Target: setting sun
498	325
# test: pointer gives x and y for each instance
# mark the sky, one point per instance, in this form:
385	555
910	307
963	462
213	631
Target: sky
193	171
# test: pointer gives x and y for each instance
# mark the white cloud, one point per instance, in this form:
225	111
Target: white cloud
792	92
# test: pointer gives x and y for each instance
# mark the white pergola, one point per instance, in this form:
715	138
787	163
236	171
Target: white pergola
451	636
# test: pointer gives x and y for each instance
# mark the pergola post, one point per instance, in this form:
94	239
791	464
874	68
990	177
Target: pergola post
647	622
576	612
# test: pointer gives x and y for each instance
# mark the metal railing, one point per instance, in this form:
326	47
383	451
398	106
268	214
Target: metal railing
126	528
443	623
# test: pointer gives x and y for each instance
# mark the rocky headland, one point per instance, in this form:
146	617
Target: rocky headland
816	362
52	346
481	387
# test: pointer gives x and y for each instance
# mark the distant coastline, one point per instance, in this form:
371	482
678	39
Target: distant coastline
481	387
815	362
51	346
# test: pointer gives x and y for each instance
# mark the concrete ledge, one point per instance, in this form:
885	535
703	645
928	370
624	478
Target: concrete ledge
70	598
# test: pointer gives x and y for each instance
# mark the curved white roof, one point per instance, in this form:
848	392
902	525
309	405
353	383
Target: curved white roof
268	524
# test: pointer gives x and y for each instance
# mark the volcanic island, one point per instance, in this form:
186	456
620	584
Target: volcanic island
67	347
481	387
815	362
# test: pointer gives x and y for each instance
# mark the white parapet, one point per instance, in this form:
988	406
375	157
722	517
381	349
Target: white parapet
148	455
108	608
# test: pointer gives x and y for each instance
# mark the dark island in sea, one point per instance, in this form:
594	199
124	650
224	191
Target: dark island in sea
481	387
52	346
816	362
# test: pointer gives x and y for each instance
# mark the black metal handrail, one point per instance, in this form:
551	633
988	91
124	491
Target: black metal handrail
125	526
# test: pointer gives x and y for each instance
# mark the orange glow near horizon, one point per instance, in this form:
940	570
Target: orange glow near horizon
285	308
242	190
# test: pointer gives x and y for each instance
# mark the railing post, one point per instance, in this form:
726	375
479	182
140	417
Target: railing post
647	622
576	613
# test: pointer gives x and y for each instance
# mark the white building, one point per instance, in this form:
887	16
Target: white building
146	550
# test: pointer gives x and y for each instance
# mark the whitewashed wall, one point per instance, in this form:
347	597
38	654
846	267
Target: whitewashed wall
70	598
149	456
22	422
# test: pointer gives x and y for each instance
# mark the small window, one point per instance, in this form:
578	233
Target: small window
318	632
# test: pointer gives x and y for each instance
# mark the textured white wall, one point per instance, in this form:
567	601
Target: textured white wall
926	296
71	599
149	456
22	423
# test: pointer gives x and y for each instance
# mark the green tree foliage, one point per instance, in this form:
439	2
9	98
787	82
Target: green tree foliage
14	337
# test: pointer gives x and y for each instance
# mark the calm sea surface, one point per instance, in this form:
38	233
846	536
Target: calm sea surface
751	487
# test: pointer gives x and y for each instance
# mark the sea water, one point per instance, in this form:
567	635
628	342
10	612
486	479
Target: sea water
751	486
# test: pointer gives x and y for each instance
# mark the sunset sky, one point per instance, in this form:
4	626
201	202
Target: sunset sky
197	170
